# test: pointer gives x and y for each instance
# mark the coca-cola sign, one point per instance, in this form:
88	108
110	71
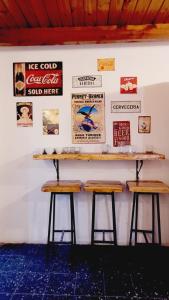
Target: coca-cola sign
37	79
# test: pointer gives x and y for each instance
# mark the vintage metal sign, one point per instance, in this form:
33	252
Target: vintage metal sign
50	121
37	79
87	81
106	64
125	106
121	133
144	124
88	124
24	114
128	85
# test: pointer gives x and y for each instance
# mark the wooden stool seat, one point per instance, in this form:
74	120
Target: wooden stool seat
152	188
103	186
62	186
147	186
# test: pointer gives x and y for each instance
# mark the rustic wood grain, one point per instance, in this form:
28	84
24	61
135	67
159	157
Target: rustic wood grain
102	12
40	12
76	35
64	10
62	22
100	156
103	186
53	12
62	186
148	186
28	13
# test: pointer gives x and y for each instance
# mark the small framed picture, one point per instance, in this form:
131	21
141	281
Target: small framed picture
144	124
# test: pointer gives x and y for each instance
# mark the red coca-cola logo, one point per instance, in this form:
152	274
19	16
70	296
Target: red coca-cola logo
46	79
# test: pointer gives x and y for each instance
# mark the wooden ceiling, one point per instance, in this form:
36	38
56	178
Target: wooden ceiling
51	22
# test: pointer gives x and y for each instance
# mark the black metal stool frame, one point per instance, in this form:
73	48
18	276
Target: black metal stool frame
134	229
93	230
52	220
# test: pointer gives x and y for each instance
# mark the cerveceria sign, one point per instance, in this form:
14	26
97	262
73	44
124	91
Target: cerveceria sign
125	106
37	79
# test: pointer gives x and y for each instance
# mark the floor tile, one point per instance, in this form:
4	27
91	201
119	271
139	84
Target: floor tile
15	262
118	284
90	284
26	297
5	296
151	284
54	297
61	284
9	281
32	282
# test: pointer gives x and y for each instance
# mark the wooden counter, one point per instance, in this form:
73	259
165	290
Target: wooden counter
100	156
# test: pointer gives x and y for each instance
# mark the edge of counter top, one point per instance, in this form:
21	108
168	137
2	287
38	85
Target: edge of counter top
100	156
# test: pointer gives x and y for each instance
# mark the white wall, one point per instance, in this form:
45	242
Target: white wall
23	207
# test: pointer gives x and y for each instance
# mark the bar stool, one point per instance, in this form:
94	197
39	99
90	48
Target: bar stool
152	188
100	187
62	187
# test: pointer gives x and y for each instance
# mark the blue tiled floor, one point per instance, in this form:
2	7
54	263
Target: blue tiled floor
83	272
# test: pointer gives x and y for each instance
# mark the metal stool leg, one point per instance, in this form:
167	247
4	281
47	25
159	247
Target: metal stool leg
50	215
71	218
93	219
73	229
114	219
53	210
136	218
158	219
153	220
132	219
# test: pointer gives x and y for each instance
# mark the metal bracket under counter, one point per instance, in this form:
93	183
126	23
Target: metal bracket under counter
139	165
138	168
56	165
137	157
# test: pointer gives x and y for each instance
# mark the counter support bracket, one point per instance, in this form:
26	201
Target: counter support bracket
139	165
56	165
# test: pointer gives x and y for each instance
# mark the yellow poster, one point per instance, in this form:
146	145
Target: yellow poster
88	126
106	64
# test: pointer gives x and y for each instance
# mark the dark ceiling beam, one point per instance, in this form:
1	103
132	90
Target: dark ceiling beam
80	35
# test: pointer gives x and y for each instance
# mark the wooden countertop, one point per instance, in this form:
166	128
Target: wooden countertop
100	156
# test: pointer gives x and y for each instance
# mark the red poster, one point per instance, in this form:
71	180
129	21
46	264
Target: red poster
128	85
121	133
37	79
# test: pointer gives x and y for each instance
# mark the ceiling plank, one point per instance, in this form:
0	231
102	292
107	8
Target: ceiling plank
90	12
163	13
152	11
53	13
103	12
40	12
76	35
127	12
114	11
77	9
15	12
6	16
28	13
65	12
2	22
139	12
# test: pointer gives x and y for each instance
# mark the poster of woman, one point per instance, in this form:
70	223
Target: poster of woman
24	114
